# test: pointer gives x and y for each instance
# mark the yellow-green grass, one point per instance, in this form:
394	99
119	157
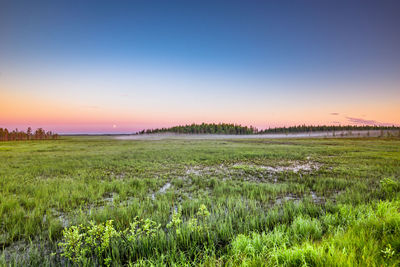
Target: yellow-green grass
294	190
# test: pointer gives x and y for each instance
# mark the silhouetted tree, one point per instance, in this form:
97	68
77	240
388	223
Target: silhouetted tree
17	135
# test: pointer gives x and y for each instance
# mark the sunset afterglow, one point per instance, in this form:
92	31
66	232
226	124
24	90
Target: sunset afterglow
95	68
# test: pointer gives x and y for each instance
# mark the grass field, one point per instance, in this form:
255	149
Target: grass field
254	202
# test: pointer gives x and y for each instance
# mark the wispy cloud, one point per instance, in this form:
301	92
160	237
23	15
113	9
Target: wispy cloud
368	122
334	113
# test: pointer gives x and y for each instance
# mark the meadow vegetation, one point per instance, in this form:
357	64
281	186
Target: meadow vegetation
88	201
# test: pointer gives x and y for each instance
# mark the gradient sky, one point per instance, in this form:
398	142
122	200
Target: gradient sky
121	66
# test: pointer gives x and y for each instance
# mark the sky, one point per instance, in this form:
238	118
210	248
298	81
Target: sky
122	66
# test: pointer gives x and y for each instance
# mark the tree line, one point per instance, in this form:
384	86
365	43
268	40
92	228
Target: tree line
205	128
15	135
229	128
326	128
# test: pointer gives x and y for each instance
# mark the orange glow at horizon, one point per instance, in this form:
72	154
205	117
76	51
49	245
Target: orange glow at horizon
70	118
102	111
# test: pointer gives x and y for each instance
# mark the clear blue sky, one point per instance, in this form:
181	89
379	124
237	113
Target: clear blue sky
150	63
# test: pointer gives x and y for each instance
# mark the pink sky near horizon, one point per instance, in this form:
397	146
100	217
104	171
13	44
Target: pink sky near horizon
111	100
69	117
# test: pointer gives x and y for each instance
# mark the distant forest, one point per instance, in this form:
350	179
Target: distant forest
227	128
15	135
325	128
205	128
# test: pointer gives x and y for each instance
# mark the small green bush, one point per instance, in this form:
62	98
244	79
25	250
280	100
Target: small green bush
81	243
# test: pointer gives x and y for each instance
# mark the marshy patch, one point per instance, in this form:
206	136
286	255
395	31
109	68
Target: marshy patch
316	198
254	172
312	196
109	197
288	197
63	217
292	166
16	248
162	190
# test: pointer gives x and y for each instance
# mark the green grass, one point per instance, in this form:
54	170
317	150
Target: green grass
342	211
